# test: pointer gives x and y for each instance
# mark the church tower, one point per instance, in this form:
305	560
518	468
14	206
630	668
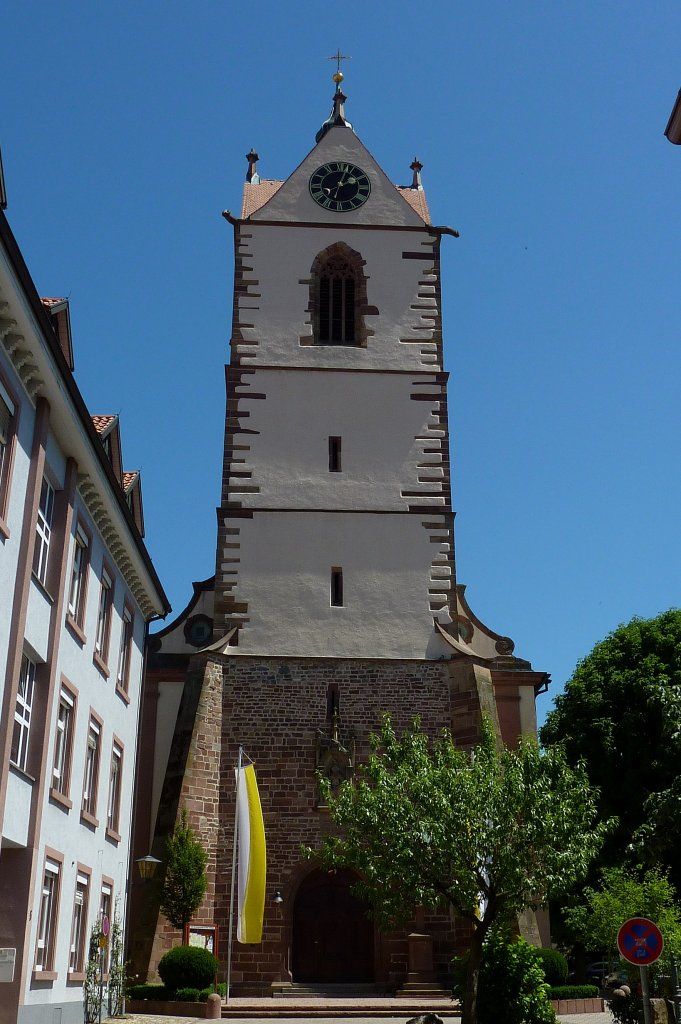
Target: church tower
334	599
336	522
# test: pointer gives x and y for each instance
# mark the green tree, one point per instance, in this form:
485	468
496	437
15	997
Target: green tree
620	895
488	833
621	715
185	882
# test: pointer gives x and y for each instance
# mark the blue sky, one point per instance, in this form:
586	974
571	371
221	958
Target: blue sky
124	128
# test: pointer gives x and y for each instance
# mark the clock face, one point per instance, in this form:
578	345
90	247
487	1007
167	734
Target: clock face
339	186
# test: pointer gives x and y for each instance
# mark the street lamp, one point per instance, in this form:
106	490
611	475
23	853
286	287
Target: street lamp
147	866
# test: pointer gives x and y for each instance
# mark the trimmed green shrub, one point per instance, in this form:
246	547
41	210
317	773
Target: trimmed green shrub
555	966
512	980
187	966
573	991
221	990
147	991
627	1009
187	995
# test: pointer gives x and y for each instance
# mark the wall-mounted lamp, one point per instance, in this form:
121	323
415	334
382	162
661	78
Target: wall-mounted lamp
147	866
277	897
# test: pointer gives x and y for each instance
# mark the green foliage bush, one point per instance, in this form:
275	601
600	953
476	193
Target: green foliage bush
187	966
627	1009
187	995
555	966
573	991
149	992
221	990
512	986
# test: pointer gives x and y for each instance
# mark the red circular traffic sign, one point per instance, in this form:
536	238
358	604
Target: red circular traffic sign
640	941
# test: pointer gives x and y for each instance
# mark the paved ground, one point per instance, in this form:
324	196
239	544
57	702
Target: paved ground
577	1018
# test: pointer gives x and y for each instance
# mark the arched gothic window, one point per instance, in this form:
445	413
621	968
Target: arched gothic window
338	297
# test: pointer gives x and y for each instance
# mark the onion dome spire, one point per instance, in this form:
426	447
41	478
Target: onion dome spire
337	116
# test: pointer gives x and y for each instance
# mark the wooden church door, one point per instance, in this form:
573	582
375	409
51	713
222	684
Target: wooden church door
333	939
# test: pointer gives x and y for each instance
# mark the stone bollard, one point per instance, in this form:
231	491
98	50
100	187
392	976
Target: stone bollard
214	1006
659	1008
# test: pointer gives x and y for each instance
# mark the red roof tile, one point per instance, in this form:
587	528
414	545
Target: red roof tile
129	479
102	423
51	302
416	198
255	196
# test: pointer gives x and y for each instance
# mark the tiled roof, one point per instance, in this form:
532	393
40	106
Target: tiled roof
51	302
102	423
416	198
256	196
129	479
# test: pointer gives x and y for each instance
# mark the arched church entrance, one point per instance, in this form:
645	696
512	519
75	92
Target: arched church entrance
333	939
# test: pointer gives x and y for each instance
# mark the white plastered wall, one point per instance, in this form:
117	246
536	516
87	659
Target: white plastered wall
285	573
383	434
277	305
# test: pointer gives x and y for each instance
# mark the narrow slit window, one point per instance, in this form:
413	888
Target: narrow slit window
337	587
334	455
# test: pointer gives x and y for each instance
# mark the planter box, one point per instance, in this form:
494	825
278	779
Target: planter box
165	1007
593	1005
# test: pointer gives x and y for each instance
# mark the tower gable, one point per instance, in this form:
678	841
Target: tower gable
292	202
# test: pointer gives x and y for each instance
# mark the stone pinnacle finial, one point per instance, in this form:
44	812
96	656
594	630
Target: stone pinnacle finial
416	167
338	112
252	175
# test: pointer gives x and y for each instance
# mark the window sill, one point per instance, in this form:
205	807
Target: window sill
41	586
123	694
21	773
89	819
101	664
59	798
113	835
45	976
76	976
4	529
75	629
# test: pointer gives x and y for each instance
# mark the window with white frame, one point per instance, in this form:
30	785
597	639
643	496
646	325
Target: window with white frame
77	587
104	616
63	741
43	530
115	776
125	649
79	923
47	917
22	714
91	775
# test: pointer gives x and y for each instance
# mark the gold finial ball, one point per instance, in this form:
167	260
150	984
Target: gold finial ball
338	77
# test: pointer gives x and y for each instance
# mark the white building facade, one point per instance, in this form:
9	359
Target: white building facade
77	589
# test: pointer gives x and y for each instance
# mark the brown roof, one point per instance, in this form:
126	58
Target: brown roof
129	479
51	302
102	423
255	196
416	198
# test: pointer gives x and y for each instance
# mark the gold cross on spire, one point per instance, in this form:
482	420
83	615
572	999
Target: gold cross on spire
338	57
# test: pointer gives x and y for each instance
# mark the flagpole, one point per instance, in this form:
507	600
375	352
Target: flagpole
231	893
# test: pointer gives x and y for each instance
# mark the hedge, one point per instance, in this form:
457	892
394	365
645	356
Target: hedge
573	991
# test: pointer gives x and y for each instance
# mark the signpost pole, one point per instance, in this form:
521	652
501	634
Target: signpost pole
645	992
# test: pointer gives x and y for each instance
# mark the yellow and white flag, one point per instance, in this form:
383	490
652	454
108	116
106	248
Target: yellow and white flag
252	858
